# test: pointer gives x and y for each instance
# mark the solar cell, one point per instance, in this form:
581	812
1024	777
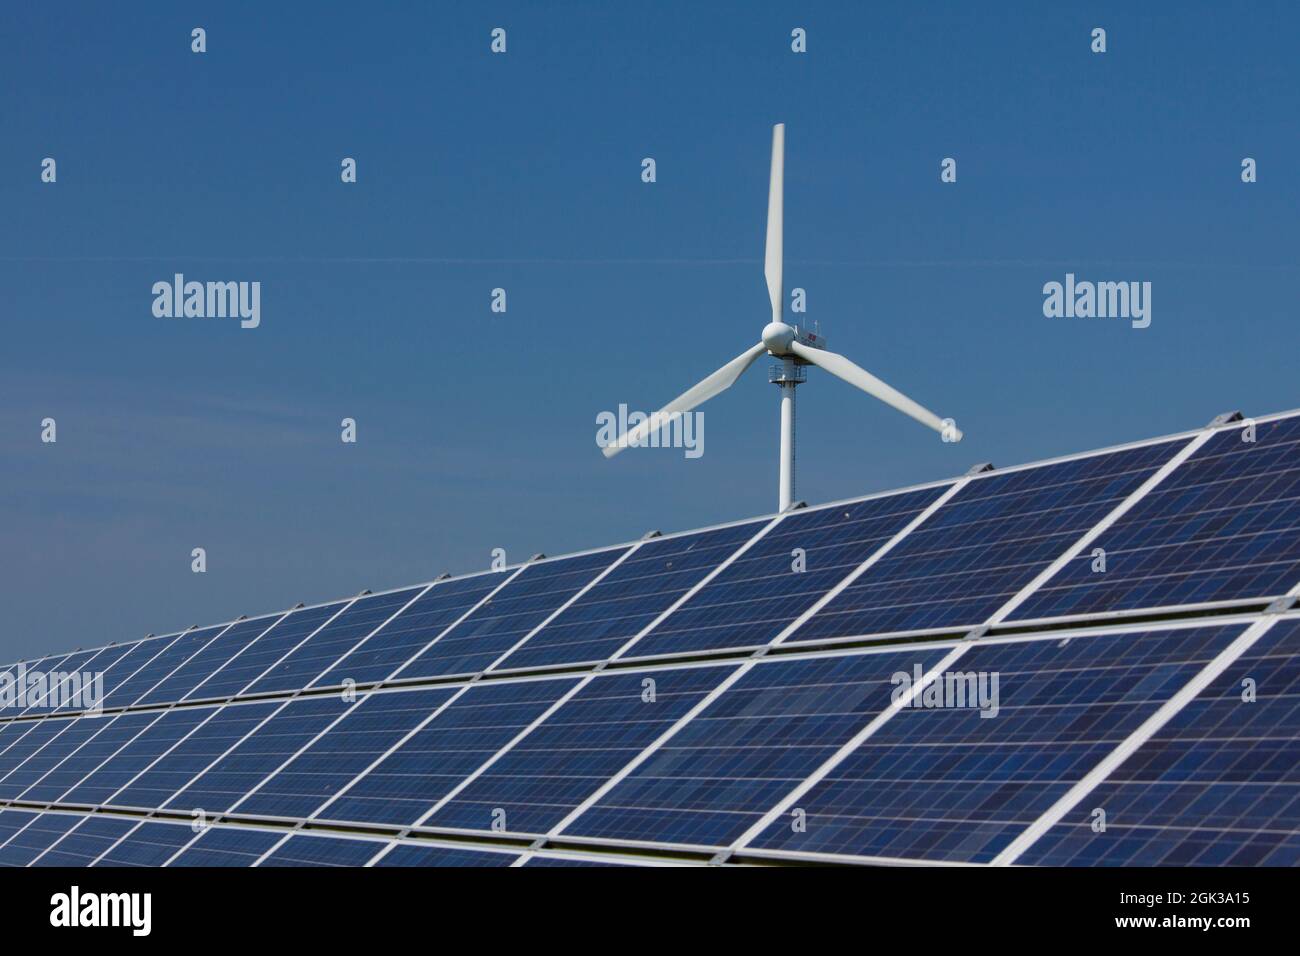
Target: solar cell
11	821
46	695
27	684
138	655
630	597
944	783
1219	785
984	545
66	736
28	741
75	688
1223	526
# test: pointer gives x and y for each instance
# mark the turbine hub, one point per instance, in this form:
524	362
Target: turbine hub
777	336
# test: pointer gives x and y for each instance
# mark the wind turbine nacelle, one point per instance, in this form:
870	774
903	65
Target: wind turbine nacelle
778	336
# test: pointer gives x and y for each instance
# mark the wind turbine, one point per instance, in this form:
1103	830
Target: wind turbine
795	347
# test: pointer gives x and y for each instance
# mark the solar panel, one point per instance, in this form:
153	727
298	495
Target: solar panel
256	657
631	597
746	750
1224	526
61	738
34	837
148	844
507	617
226	846
210	737
112	734
978	550
437	755
400	639
949	784
409	854
206	660
935	675
137	655
265	746
305	850
324	767
153	739
552	770
45	696
1218	785
784	574
360	621
172	655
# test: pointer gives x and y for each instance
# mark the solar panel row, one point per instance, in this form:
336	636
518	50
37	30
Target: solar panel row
432	707
702	757
954	568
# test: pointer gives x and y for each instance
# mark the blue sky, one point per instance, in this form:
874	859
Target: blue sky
522	171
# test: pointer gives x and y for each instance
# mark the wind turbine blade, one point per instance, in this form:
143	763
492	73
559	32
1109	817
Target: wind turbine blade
698	394
774	261
842	368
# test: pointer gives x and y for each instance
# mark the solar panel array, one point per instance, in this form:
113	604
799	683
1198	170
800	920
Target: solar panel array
1087	661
